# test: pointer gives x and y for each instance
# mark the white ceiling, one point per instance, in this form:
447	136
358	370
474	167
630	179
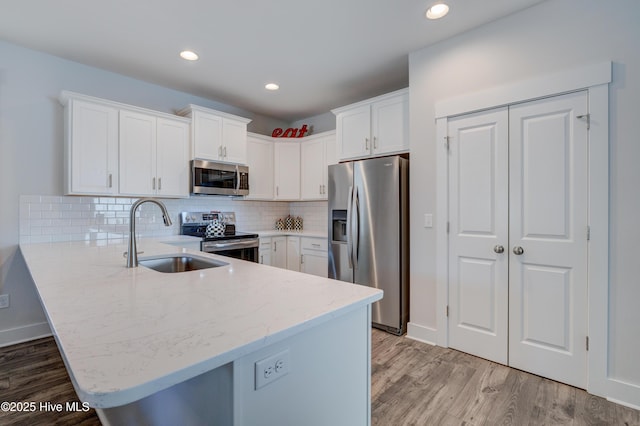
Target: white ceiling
324	54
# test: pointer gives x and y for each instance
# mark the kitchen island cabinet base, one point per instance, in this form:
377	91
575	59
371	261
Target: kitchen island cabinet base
328	382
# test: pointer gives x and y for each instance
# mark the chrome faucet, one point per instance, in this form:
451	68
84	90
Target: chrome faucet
132	254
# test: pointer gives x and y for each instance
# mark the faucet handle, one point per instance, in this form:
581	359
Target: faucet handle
126	253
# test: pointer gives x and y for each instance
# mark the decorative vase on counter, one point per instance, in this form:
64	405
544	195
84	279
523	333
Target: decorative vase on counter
214	229
297	224
288	223
279	225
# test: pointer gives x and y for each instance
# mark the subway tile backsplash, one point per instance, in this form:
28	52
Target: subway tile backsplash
75	218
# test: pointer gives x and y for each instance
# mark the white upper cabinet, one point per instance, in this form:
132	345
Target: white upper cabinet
317	153
286	170
91	147
217	136
260	162
374	127
154	155
172	158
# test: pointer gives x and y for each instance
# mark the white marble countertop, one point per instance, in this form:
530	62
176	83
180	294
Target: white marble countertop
128	333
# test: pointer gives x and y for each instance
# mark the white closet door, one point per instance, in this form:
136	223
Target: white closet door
478	267
548	226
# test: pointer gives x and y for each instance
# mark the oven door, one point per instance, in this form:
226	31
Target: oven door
244	249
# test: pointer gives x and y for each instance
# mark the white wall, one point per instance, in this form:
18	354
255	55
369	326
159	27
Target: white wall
31	147
553	36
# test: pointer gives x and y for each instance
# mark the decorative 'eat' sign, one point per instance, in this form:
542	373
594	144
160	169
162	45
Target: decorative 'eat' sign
290	132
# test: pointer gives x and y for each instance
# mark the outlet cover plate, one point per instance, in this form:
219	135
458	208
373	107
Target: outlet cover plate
4	301
272	368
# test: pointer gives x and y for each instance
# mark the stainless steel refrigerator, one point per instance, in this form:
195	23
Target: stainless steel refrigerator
369	233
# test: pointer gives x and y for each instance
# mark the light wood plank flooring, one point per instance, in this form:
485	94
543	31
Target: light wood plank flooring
412	384
418	384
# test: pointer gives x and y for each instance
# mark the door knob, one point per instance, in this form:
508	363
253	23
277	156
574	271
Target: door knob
498	249
518	250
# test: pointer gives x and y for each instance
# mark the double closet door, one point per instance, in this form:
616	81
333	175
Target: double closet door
518	236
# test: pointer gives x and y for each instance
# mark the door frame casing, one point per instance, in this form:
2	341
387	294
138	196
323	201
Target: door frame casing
595	79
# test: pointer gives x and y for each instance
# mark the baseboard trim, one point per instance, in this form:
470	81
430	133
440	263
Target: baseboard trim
421	333
13	336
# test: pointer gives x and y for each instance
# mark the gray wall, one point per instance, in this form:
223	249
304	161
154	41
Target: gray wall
553	36
31	147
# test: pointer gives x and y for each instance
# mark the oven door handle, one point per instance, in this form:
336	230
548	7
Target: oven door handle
230	245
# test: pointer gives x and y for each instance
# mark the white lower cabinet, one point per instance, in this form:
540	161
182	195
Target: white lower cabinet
296	253
264	251
314	257
293	253
279	252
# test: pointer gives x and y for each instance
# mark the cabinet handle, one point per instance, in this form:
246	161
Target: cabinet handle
366	143
375	142
261	259
324	189
153	184
301	259
320	189
225	152
277	190
159	183
110	180
275	246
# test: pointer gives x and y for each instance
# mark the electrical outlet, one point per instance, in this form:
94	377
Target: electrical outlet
272	368
4	301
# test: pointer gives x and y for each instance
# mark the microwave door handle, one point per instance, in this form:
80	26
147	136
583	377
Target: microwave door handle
237	179
349	236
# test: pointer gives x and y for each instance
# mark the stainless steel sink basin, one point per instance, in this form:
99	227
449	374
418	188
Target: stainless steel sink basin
179	263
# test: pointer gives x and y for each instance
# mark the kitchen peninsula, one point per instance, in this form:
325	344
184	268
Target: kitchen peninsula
196	347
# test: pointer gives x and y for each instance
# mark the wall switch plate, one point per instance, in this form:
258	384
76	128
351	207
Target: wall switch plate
428	220
272	368
4	301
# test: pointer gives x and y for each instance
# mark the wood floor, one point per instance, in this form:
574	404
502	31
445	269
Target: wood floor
412	384
418	384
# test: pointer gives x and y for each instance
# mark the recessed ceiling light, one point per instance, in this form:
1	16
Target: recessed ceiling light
189	55
271	86
437	11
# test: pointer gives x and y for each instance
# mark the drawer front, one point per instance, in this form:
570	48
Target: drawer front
319	244
265	244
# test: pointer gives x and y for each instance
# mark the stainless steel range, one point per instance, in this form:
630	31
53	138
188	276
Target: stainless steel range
227	241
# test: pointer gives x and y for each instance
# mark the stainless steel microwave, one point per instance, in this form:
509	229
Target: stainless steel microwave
211	178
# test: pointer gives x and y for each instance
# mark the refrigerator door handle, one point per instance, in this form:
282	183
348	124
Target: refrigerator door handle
356	236
349	235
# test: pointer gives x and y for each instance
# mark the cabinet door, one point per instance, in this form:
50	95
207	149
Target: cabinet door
260	161
264	252
279	252
312	165
390	120
172	158
287	170
293	253
234	142
314	263
92	149
137	153
353	132
207	136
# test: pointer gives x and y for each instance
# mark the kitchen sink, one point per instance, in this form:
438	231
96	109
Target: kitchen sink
179	263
